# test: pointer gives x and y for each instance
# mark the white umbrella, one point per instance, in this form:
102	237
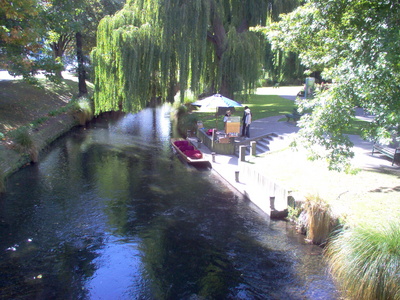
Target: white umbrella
216	101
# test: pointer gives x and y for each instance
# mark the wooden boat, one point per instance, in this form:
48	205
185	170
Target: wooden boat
187	151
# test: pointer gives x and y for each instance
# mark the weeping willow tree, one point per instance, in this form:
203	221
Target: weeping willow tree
156	48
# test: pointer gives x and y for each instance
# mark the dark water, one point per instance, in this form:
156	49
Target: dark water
111	213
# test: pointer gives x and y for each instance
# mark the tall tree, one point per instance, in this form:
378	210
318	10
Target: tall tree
356	43
19	35
154	48
69	21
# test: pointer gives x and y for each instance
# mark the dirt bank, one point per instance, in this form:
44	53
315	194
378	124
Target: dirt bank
23	105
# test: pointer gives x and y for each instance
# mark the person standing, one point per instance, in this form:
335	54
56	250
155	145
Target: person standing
246	122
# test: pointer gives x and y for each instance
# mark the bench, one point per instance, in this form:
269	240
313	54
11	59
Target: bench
295	116
385	150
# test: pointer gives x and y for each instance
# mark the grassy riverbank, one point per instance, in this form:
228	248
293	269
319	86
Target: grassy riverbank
32	116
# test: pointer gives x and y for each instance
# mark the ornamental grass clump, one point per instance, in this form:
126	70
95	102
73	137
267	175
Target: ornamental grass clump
365	261
319	221
25	143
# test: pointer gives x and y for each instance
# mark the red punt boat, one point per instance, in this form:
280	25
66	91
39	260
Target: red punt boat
187	151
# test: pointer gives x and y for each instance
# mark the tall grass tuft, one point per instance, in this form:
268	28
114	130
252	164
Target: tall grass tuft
83	110
320	221
25	143
365	261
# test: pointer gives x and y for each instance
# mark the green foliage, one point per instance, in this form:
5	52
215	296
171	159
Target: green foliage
19	35
82	108
365	261
156	48
294	213
185	120
356	44
22	137
24	143
39	121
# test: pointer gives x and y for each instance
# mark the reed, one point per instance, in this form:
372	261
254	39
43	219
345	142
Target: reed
365	261
320	221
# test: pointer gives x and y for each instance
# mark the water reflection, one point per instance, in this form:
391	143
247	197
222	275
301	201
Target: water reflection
111	213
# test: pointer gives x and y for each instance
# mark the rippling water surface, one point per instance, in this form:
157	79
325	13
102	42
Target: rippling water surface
111	213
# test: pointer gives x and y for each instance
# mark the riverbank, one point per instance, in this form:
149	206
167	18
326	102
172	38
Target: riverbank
42	110
371	195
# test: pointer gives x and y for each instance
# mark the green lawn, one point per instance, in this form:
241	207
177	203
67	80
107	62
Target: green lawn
261	106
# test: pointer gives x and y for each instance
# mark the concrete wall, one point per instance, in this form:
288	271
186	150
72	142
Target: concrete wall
268	195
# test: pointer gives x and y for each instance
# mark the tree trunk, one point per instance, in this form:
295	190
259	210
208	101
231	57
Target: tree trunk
59	50
58	54
81	67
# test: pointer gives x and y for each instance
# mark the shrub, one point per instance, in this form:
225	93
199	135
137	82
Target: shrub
82	108
365	261
185	121
22	137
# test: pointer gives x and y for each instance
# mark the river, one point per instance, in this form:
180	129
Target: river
110	212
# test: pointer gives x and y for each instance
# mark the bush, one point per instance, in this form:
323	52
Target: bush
82	108
22	137
365	261
185	121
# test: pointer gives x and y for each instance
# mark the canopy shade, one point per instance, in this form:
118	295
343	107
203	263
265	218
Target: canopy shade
216	100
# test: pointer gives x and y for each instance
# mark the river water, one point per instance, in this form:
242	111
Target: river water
110	212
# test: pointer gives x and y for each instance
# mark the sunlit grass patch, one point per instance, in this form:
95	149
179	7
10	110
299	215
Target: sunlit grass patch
261	106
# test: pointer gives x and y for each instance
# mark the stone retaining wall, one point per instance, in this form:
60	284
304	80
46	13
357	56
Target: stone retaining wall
267	194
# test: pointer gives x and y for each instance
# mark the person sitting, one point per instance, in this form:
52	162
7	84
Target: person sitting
227	116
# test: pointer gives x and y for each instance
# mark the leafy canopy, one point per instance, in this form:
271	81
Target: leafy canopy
19	35
356	45
155	48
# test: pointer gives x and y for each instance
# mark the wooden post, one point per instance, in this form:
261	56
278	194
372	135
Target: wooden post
253	145
242	153
272	203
